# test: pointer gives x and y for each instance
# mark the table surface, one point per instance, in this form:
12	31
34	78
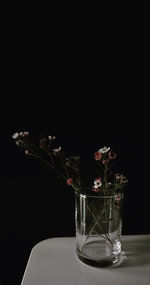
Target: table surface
54	262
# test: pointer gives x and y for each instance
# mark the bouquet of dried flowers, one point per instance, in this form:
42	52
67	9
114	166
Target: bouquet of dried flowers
68	168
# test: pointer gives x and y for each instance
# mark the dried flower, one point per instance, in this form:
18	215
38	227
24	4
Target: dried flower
18	135
107	183
104	149
118	175
15	135
51	138
69	181
56	150
97	155
121	178
98	182
112	154
124	179
117	199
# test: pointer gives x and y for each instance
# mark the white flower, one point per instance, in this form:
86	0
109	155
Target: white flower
104	149
97	182
108	183
15	135
51	138
56	150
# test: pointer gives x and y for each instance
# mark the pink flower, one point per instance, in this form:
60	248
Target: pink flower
118	198
24	134
69	181
96	189
112	154
97	155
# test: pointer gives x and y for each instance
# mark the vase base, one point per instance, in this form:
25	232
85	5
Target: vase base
94	254
99	263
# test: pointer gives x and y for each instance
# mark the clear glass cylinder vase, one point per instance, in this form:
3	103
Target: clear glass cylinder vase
98	229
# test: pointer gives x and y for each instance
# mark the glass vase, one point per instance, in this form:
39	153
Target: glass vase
98	228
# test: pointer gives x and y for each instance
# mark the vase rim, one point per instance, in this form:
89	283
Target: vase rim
96	196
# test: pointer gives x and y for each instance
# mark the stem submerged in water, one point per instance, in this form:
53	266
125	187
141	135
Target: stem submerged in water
104	235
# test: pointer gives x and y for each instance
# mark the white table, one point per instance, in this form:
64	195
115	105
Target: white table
54	262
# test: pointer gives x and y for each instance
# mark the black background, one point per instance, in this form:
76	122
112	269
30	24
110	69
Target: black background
86	94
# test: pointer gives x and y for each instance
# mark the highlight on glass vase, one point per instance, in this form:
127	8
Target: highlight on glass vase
98	197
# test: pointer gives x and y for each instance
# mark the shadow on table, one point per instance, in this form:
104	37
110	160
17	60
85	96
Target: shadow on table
135	253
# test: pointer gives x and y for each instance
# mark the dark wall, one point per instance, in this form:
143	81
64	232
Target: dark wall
88	99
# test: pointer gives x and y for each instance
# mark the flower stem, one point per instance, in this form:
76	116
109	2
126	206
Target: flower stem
50	165
97	223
